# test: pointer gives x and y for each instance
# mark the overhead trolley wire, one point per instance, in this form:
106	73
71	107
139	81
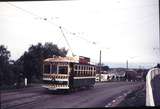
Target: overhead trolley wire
24	10
33	14
60	27
75	34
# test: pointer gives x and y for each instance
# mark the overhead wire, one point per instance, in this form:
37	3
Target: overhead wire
60	27
33	14
26	11
75	34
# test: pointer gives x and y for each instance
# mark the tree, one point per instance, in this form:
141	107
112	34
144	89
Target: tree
130	74
158	65
4	64
32	59
105	68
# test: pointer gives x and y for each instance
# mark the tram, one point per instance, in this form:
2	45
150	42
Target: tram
68	73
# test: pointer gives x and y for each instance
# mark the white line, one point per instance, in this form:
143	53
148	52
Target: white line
119	96
47	79
56	79
109	104
106	106
83	77
114	101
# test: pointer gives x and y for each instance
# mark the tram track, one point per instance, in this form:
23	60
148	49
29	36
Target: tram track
19	95
23	90
24	101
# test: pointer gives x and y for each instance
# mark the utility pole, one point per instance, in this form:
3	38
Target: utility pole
100	66
127	64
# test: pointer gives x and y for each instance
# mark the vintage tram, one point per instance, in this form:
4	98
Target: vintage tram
68	73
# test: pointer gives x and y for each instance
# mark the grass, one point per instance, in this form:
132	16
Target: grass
13	87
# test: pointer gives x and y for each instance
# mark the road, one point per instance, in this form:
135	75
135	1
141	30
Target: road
38	98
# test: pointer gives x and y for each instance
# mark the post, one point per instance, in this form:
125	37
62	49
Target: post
100	66
25	81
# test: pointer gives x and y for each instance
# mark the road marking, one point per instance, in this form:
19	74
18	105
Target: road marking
119	96
106	106
114	101
109	104
125	94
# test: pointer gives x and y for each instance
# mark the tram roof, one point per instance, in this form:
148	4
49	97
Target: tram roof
62	59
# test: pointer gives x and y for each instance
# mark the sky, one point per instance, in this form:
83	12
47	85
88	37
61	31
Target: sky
122	29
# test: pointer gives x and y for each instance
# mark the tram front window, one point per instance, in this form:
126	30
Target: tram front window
63	69
54	69
46	68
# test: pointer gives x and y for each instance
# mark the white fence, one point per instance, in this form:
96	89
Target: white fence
149	94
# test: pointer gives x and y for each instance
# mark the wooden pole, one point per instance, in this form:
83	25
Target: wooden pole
127	64
100	66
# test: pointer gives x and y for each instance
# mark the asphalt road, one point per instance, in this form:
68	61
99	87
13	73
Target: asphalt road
38	98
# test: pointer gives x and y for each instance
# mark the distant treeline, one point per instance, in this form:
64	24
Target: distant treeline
29	65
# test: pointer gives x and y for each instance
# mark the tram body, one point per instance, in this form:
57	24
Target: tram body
68	73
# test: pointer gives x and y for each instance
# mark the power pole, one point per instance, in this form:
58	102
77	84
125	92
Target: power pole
100	66
127	64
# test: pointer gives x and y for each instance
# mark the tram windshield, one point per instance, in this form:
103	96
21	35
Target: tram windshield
54	69
47	68
63	70
50	69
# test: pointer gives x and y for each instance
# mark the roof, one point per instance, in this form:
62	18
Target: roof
62	59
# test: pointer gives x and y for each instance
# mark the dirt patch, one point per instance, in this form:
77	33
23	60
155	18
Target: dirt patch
136	98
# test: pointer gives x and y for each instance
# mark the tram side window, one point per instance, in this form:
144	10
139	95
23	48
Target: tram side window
47	68
63	70
78	73
75	67
94	71
90	70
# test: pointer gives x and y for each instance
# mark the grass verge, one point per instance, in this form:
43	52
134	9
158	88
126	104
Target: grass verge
135	99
